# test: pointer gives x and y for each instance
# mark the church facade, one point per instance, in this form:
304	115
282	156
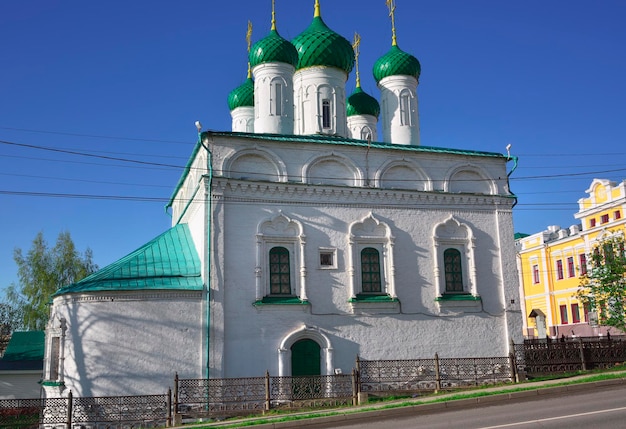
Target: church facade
302	239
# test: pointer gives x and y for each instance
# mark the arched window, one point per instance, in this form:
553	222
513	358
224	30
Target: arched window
276	106
366	133
405	108
453	270
280	275
370	271
326	114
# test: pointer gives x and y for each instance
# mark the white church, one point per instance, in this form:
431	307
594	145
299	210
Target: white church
301	239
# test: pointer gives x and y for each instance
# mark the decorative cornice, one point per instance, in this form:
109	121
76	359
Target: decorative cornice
130	296
302	194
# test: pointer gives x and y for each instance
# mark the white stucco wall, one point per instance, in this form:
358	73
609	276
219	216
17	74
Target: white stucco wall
245	339
20	384
394	131
129	343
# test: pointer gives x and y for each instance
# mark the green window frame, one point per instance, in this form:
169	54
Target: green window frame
370	271
280	271
453	270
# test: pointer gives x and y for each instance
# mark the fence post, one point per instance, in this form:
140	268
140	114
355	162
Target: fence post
437	374
268	399
70	406
513	365
582	354
168	422
355	387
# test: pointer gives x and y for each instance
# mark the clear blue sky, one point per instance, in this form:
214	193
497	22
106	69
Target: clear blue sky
127	79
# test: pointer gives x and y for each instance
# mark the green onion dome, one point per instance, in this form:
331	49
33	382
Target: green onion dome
242	96
361	103
318	45
273	49
396	62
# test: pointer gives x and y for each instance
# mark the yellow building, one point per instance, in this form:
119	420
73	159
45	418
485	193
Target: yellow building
550	263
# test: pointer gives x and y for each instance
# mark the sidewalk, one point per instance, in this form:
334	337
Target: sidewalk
423	404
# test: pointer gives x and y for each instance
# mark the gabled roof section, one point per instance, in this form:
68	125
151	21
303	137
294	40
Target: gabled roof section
28	345
169	261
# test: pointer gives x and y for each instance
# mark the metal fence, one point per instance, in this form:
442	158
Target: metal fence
416	375
119	412
549	356
241	396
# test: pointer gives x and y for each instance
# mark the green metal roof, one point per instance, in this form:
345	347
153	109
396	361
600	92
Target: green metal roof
242	96
273	49
361	103
169	261
318	45
321	139
396	62
28	345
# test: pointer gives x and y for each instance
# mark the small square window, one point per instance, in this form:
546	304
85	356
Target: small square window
328	259
617	215
605	218
592	223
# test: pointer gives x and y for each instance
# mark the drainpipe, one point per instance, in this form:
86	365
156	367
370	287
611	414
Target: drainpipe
514	159
207	256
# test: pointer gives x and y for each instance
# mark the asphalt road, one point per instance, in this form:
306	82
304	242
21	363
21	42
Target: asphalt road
595	408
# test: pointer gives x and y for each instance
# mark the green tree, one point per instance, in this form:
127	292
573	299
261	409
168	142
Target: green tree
603	287
41	272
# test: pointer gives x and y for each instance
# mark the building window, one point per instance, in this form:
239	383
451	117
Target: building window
453	270
277	99
366	133
370	261
455	264
604	218
563	310
586	312
280	270
559	269
592	223
370	271
571	271
405	108
583	264
535	274
328	258
575	314
280	275
326	114
617	215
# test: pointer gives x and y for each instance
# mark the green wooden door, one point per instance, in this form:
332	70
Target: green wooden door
305	358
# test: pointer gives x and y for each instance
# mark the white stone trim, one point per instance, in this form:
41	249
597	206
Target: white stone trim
302	333
281	230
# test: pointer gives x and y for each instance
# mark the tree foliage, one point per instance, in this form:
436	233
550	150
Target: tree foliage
10	319
41	272
603	287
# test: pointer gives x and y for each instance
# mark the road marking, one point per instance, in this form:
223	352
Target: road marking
509	425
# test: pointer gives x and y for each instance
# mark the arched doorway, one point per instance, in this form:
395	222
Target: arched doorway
305	358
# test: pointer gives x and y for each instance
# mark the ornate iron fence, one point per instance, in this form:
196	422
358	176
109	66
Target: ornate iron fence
121	412
237	396
31	413
547	356
415	375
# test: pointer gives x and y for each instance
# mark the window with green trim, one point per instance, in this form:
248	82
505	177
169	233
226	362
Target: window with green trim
453	271
370	271
280	272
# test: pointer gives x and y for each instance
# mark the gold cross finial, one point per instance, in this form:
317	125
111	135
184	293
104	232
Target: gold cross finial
318	12
249	42
273	16
391	4
355	45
